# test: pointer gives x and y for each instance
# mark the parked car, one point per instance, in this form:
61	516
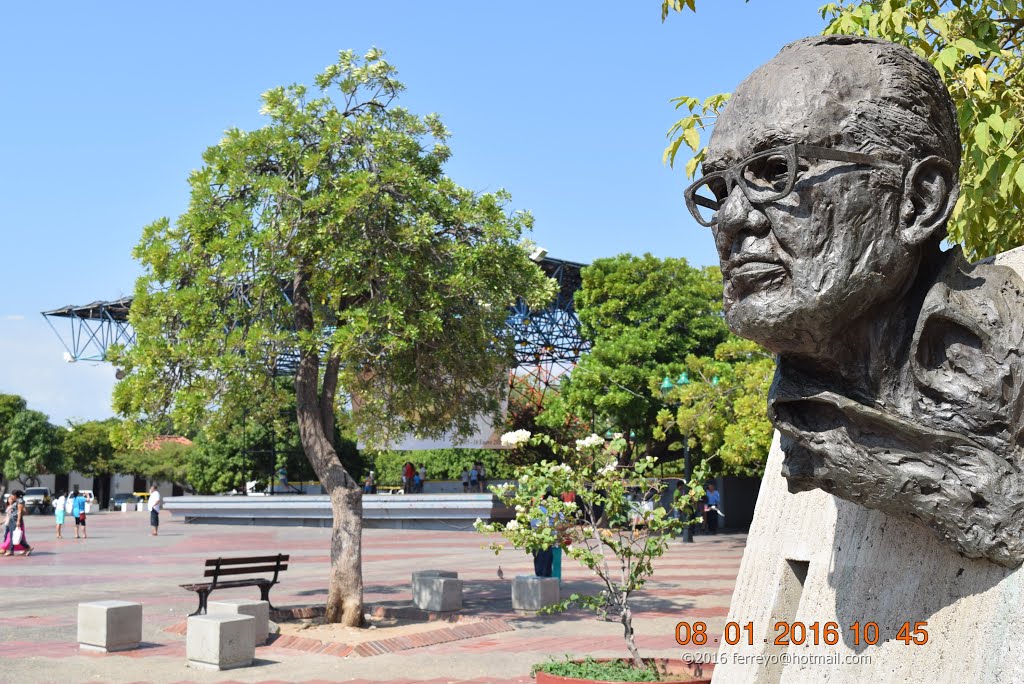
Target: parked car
122	498
38	499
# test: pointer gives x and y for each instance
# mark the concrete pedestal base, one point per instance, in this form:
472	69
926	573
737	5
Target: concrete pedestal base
220	641
813	558
533	593
109	625
438	590
260	610
437	593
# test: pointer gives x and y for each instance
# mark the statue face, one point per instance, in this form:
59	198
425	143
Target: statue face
801	268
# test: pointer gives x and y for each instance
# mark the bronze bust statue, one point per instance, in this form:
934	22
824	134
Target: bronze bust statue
828	183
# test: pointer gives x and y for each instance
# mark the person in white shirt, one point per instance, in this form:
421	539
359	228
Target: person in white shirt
156	502
59	512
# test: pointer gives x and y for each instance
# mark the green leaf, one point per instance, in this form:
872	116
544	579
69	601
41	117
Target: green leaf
1018	176
692	138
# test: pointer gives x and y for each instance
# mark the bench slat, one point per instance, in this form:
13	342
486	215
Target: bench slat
254	582
242	561
244	571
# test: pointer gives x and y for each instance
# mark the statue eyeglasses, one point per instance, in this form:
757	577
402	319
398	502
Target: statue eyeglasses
764	177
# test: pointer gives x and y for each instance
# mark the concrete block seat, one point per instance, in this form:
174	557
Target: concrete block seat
260	610
532	593
109	625
437	590
220	641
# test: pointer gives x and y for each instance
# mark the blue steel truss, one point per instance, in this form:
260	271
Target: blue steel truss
93	328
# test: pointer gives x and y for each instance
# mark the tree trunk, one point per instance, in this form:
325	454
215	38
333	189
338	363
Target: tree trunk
345	592
315	413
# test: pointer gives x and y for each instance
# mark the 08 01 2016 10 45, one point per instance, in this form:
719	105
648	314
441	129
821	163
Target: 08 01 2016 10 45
799	633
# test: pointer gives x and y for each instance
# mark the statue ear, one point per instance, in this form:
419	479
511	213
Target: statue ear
930	191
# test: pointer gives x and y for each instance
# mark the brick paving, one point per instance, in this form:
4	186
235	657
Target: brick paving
492	644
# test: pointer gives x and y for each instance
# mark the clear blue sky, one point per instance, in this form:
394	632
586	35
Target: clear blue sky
106	107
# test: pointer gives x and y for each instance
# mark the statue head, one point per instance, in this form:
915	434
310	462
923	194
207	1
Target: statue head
829	179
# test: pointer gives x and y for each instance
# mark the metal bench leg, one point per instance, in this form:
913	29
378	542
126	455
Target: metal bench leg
202	603
265	594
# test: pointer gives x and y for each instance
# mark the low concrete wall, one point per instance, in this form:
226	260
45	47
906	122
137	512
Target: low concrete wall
407	511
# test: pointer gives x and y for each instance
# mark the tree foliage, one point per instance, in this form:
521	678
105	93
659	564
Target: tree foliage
88	448
160	461
31	447
975	45
645	316
722	409
330	235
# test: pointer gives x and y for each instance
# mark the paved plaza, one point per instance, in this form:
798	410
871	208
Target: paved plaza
120	560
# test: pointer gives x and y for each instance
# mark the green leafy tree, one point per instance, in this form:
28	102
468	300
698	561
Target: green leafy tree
331	233
31	447
722	409
645	316
159	461
975	45
88	449
10	406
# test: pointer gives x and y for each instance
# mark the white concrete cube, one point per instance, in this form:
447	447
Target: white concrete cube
109	625
437	593
220	641
530	592
140	506
258	609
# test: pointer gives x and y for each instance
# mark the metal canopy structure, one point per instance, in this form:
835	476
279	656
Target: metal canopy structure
548	342
93	328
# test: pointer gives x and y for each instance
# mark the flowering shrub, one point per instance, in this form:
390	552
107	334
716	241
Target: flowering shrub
605	525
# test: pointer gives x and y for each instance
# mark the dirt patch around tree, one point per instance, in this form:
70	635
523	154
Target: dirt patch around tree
378	628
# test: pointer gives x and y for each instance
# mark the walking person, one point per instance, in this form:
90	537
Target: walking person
59	512
465	480
156	503
78	513
14	537
474	477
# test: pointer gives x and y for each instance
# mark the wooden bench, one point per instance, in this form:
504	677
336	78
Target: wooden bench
219	567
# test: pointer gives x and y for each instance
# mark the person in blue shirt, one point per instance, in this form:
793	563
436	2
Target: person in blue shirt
78	512
711	508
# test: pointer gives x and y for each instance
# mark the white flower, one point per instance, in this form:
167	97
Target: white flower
520	508
591	441
512	525
515	438
562	468
607	469
478	522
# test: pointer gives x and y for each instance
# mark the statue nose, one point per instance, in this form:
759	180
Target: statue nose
737	215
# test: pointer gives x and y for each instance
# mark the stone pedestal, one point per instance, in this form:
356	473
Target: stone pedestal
438	594
532	593
814	558
260	610
438	590
220	641
109	625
